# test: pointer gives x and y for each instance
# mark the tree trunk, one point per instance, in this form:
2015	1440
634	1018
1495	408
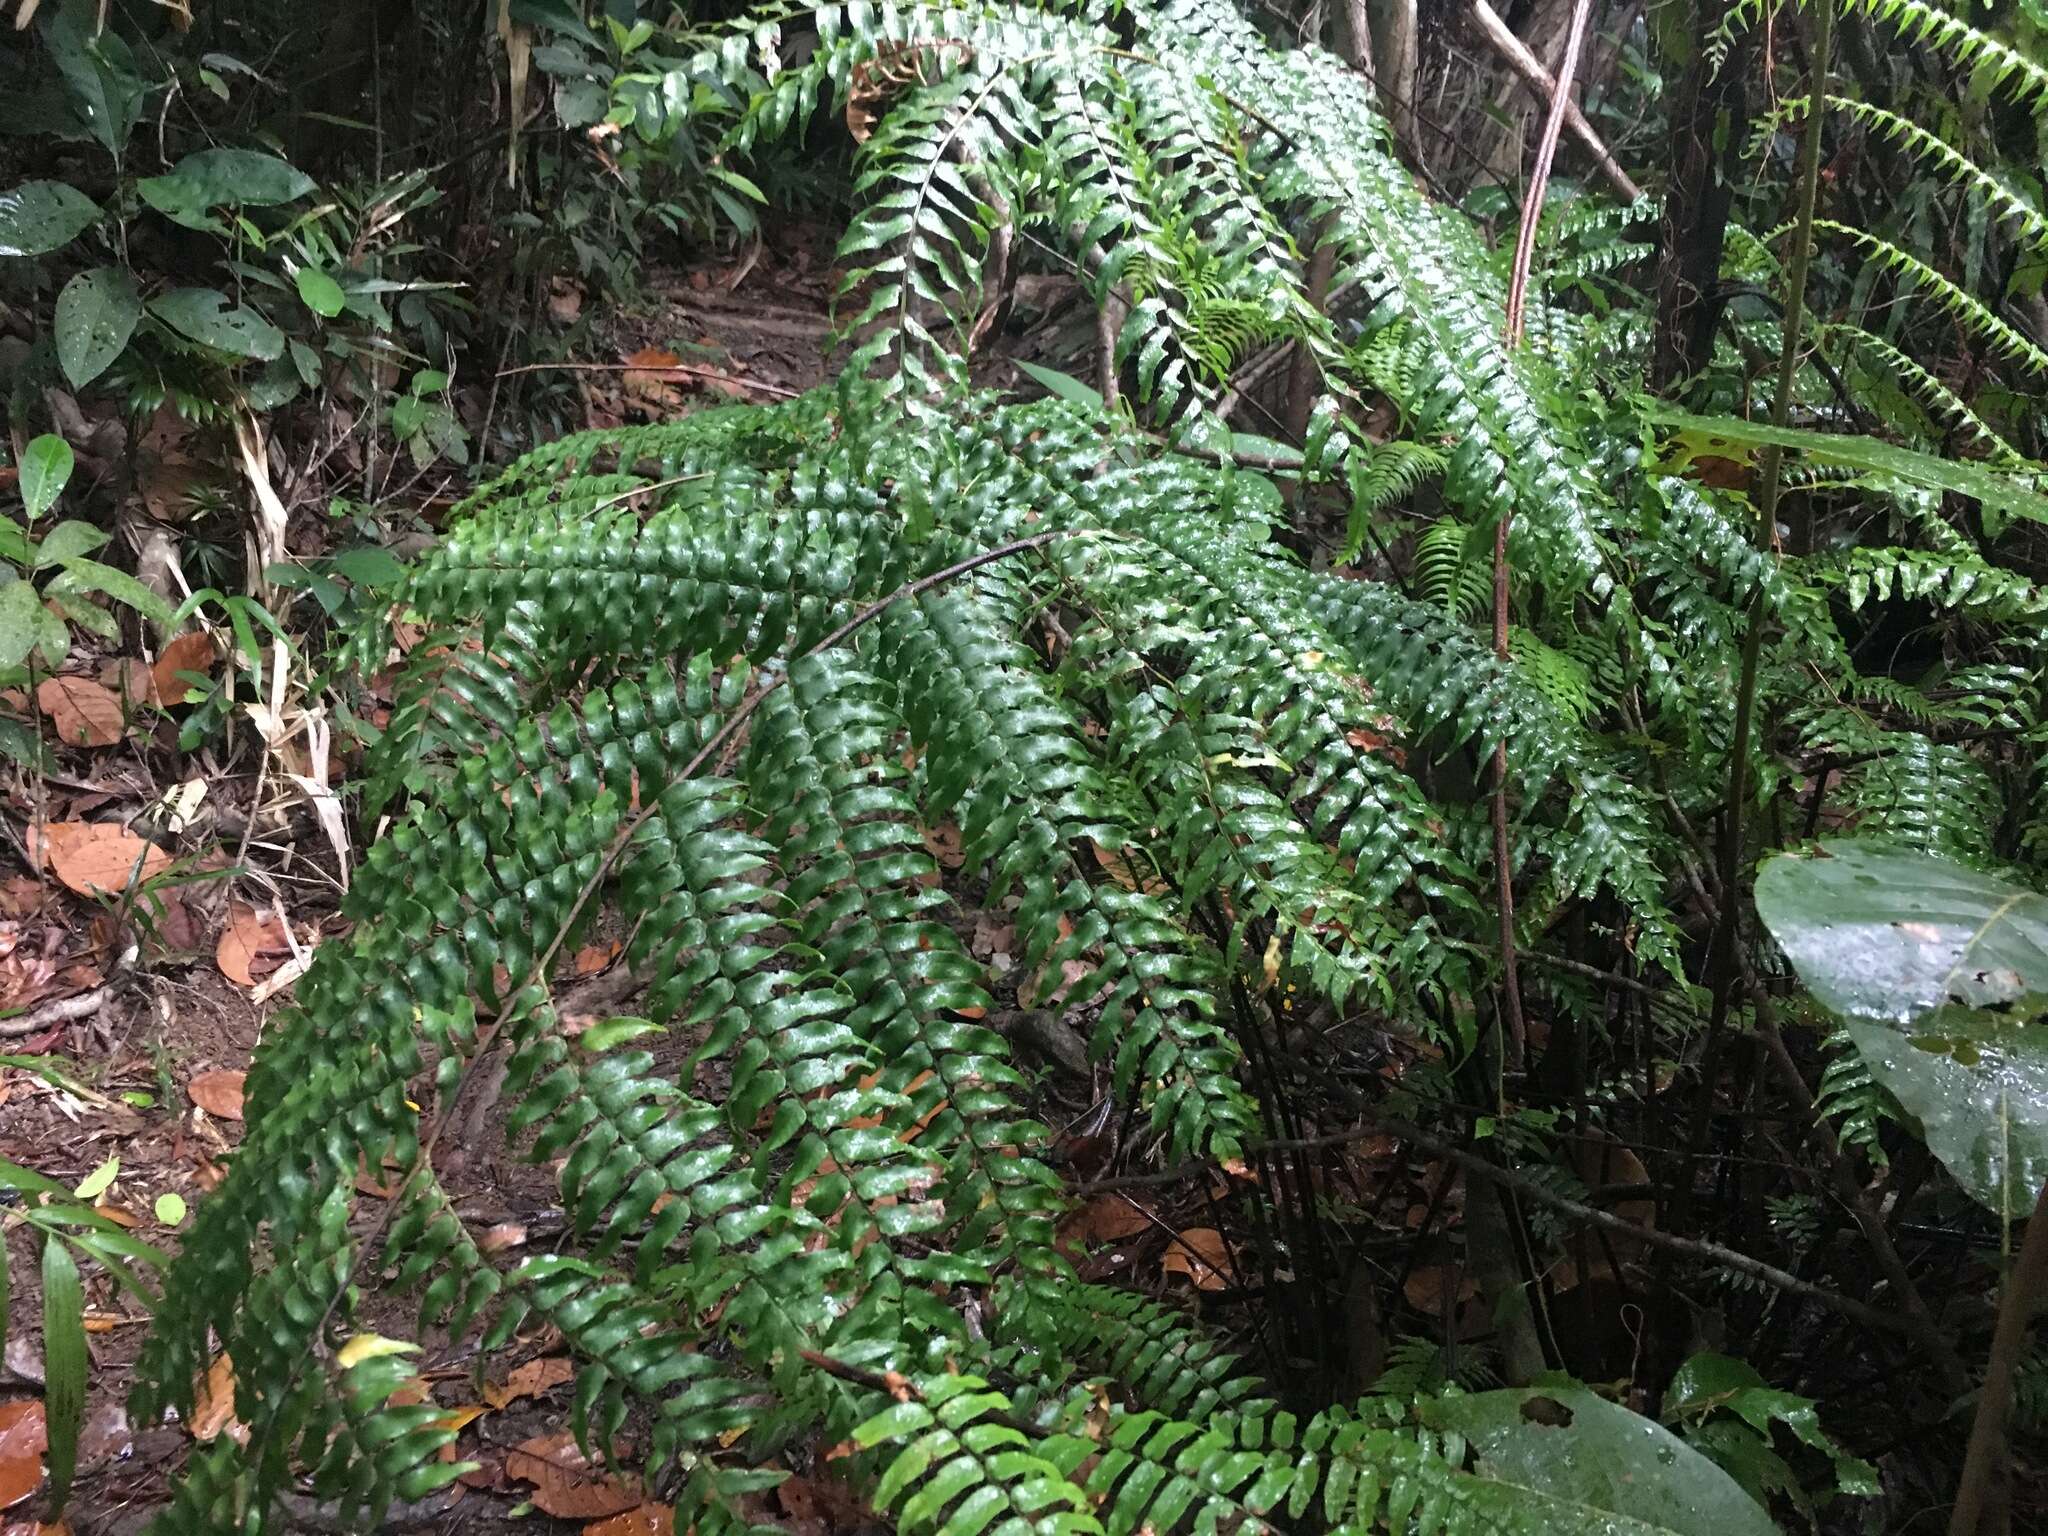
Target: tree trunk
1709	117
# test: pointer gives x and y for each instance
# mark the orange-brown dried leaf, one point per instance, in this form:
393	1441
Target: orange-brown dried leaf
213	1405
24	1436
532	1380
647	1520
97	858
190	652
218	1093
566	1484
1201	1254
253	943
82	712
1107	1218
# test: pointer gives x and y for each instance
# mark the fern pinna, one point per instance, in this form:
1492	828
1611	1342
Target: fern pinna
705	685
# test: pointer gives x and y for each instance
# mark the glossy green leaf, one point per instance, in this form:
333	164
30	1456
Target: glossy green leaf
1600	1462
39	216
320	293
45	471
81	575
64	1366
96	314
20	621
1064	386
99	1181
2006	493
208	316
1940	975
67	541
216	178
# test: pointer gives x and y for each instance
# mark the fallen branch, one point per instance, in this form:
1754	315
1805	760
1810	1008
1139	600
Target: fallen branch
1537	78
67	1010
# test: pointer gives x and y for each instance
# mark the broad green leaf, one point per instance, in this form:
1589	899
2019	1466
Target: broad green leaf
321	293
20	622
81	575
207	316
100	1180
64	1365
170	1208
39	216
68	540
1063	385
2002	492
1709	1383
1940	975
45	471
96	314
216	178
1598	1460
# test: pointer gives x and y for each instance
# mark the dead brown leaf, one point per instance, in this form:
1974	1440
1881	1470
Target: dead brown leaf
651	377
1107	1218
97	858
218	1093
24	1437
1123	868
213	1405
566	1483
1201	1254
129	681
1428	1285
82	712
532	1379
647	1520
190	652
252	944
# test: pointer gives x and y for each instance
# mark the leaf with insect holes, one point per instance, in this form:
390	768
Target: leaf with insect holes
100	858
218	1093
82	712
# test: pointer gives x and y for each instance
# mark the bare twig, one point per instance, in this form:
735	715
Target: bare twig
1530	68
67	1010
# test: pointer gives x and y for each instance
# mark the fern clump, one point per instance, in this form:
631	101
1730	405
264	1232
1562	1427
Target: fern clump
705	686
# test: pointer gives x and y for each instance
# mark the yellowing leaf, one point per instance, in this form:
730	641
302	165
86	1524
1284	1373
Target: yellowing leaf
371	1346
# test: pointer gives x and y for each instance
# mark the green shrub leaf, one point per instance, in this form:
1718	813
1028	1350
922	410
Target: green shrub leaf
96	314
1940	974
208	316
215	178
1595	1457
45	471
39	216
